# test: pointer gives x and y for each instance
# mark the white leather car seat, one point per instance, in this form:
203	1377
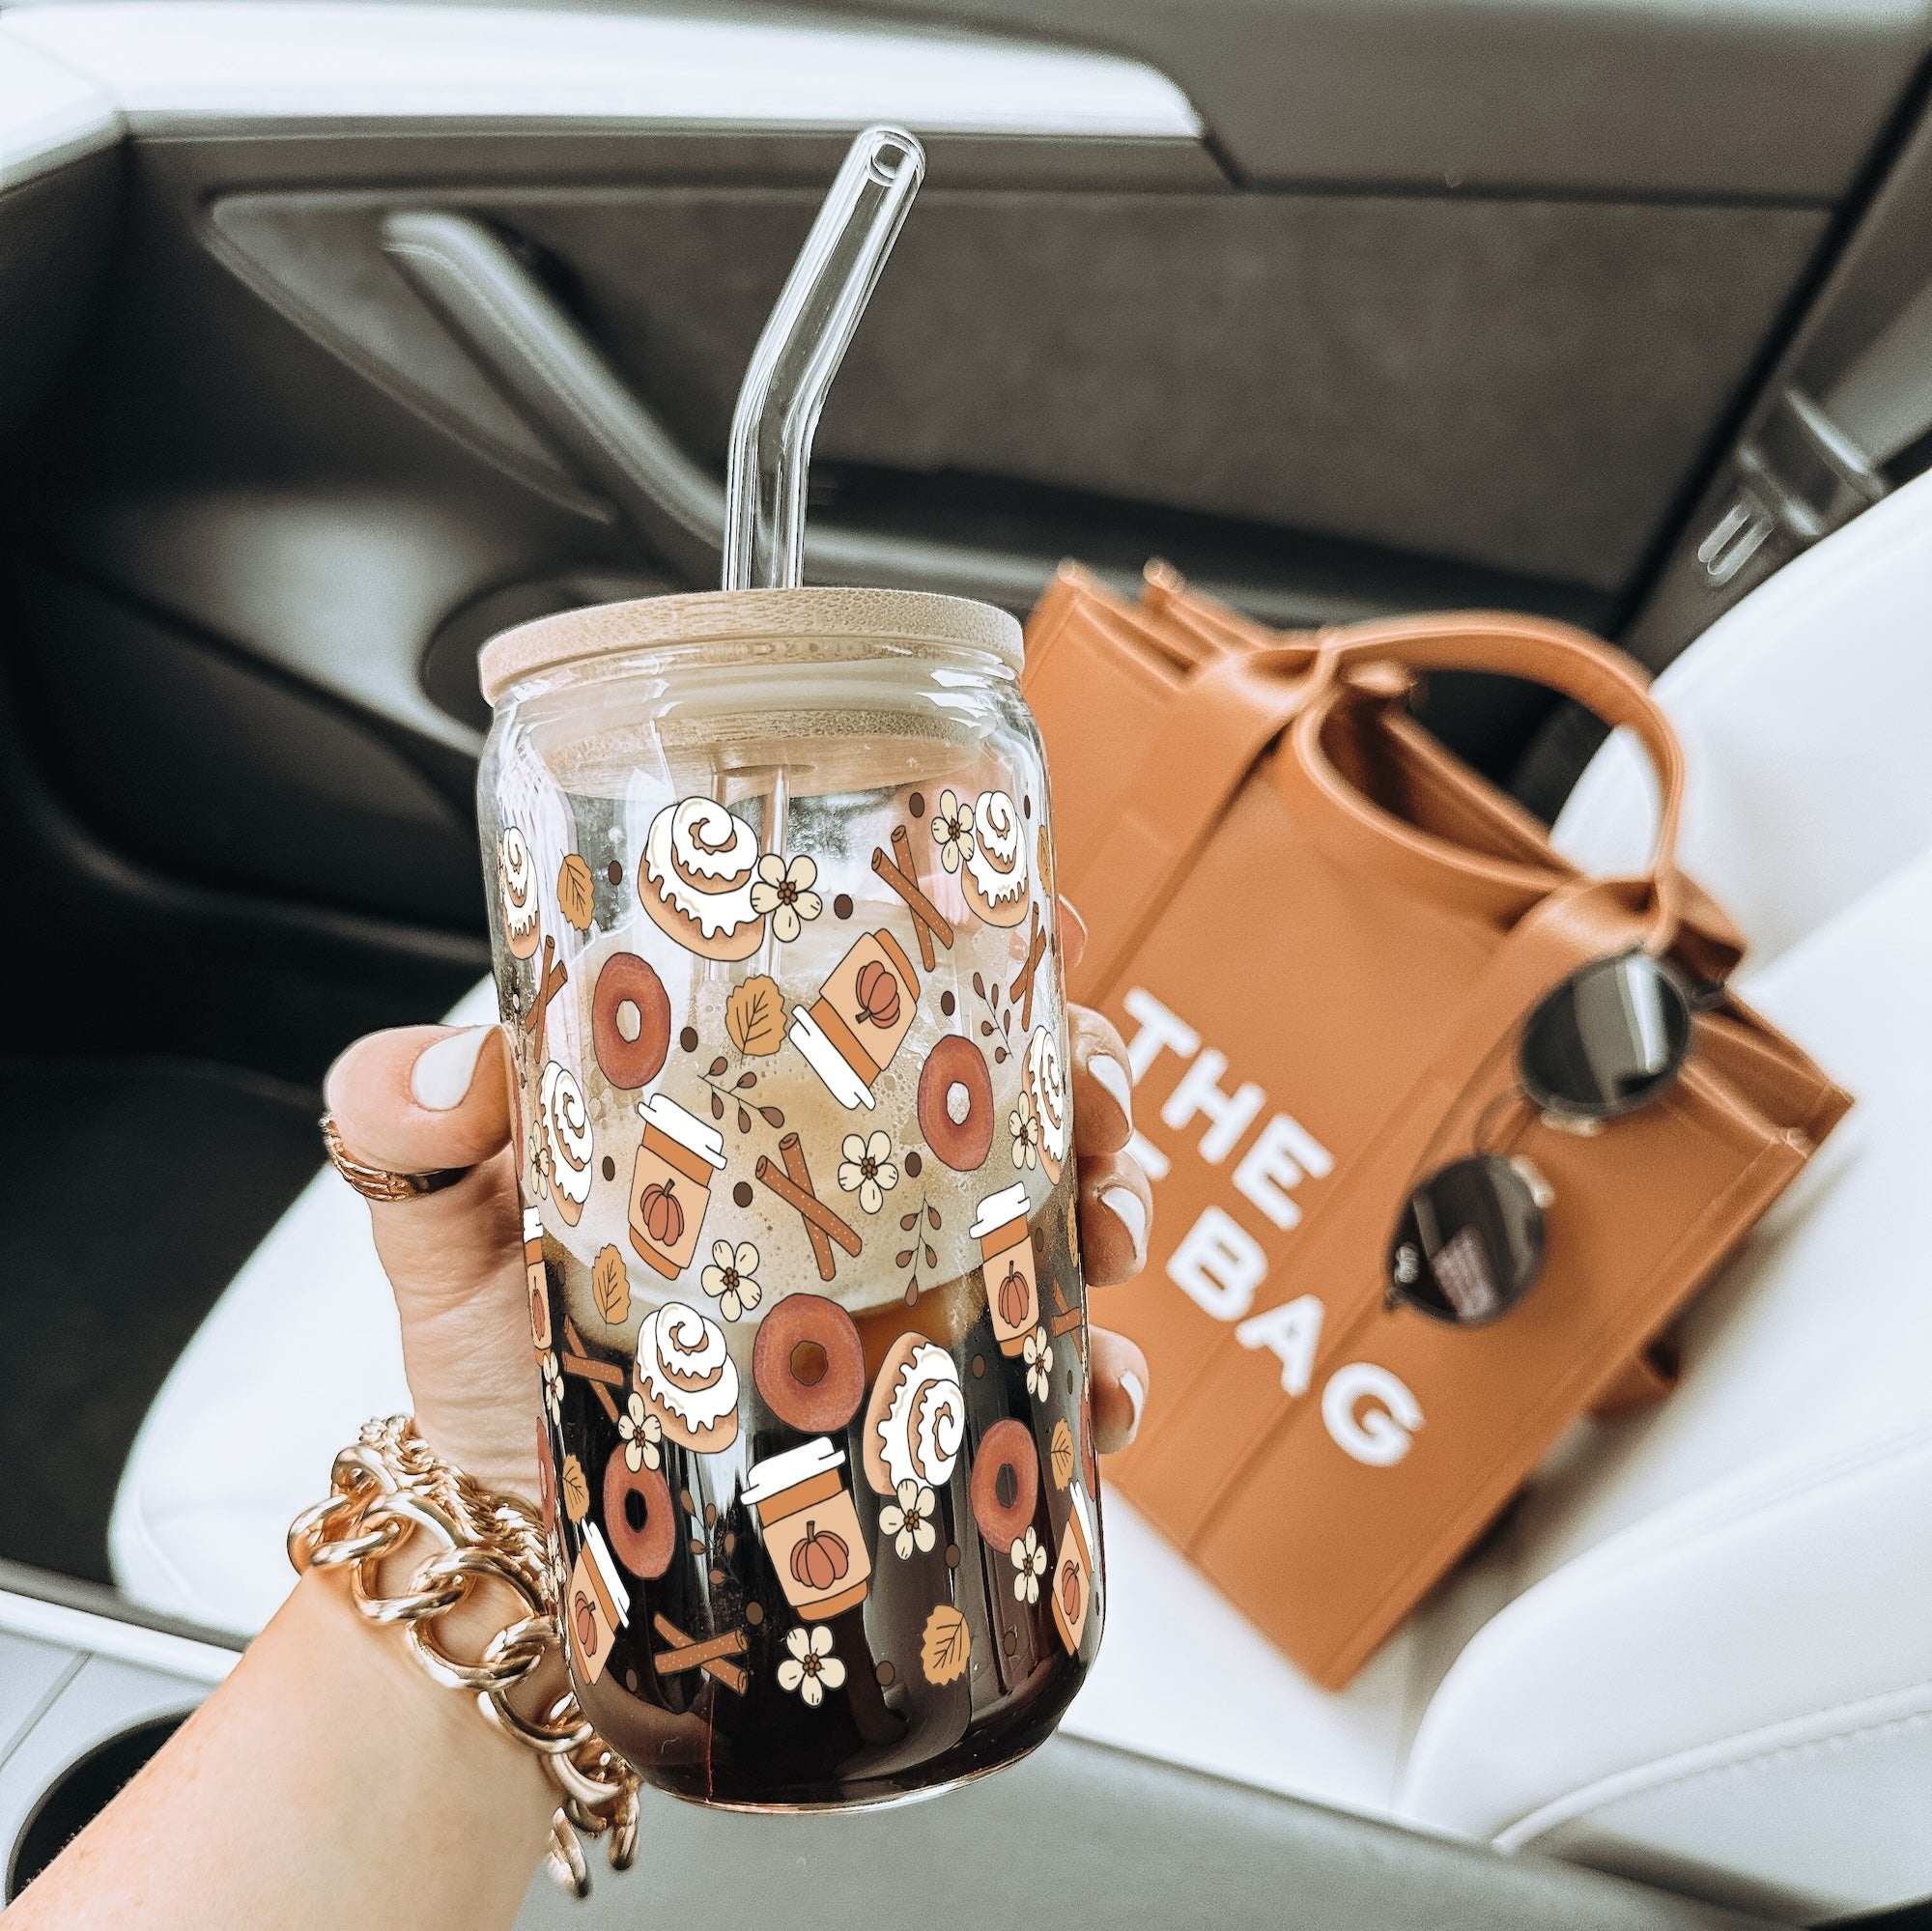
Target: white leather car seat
1700	1650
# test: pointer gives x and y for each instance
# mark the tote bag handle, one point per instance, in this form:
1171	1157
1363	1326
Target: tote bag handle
1358	832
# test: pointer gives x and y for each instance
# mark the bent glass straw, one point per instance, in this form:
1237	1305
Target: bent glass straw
803	342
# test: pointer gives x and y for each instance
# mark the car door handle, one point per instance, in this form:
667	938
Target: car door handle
486	296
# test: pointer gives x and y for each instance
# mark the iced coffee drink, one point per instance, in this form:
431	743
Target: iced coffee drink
775	937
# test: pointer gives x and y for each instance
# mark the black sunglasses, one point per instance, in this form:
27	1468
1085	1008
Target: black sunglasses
1611	1038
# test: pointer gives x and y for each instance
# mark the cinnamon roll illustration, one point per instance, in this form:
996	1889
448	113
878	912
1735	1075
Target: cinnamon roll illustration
517	882
996	871
1046	1086
700	863
916	1419
563	1126
687	1378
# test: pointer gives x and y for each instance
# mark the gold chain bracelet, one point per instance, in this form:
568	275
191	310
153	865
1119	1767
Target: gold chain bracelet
388	1489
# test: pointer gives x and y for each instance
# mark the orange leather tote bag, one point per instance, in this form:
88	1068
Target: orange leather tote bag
1321	935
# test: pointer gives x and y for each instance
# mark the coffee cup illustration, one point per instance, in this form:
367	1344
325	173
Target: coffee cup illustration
670	1185
860	1019
1073	1569
810	1528
534	1277
598	1603
1012	1282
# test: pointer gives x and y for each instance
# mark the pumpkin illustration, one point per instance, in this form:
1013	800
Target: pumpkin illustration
878	994
587	1623
663	1213
1070	1592
820	1559
1013	1309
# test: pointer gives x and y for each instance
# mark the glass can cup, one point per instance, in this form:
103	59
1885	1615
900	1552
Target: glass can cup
772	912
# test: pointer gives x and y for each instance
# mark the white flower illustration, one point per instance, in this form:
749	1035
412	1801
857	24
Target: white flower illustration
539	1164
910	1518
1023	1123
1029	1565
641	1433
731	1279
868	1169
552	1385
811	1670
953	831
1038	1355
784	890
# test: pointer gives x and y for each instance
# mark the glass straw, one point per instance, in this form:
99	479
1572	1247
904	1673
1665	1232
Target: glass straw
803	342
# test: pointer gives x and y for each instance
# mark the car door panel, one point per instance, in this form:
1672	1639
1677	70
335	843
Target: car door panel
1506	384
299	796
1513	385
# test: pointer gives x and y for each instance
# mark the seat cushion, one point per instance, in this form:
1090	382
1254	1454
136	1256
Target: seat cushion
302	1349
298	1353
1716	1669
1803	713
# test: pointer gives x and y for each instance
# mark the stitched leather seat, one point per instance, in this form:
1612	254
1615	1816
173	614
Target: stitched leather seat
1699	1650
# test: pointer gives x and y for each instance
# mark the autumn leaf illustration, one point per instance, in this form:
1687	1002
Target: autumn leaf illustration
946	1646
610	1287
754	1016
1060	1454
576	1490
576	893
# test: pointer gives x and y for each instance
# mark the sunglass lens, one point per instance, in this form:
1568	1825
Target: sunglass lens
1608	1040
1470	1243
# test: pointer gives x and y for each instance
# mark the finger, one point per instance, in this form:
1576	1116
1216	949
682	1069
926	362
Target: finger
1115	1212
1119	1376
1104	1098
1073	935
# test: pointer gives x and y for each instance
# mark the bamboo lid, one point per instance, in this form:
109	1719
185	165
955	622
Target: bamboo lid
912	619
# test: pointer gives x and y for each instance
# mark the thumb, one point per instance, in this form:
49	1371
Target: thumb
419	1099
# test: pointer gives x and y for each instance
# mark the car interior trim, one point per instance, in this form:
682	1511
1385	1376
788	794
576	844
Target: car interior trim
42	1621
164	60
49	114
1698	98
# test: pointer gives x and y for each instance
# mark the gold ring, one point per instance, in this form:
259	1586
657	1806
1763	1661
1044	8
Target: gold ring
379	1182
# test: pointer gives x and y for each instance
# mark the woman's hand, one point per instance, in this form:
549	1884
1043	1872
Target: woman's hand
422	1097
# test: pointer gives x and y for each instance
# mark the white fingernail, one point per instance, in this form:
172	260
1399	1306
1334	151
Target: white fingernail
1136	1398
1124	1203
444	1072
1113	1076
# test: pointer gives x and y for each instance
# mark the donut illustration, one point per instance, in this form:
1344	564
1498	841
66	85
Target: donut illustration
630	1021
916	1419
956	1104
517	881
564	1124
700	863
1046	1086
687	1376
996	871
